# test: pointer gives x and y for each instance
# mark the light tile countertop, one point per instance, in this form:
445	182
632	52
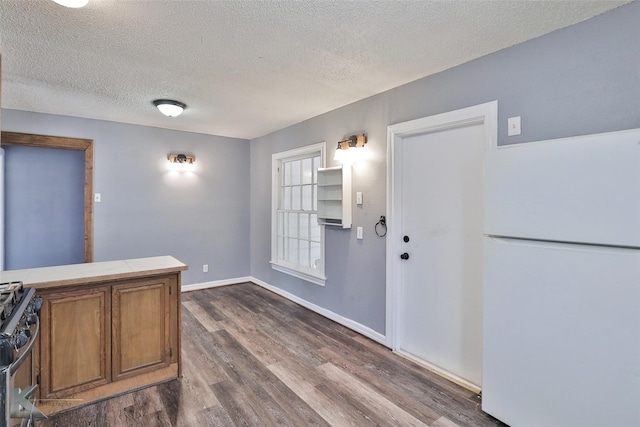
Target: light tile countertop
93	272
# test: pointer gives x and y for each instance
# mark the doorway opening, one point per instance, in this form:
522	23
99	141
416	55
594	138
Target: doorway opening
434	241
63	143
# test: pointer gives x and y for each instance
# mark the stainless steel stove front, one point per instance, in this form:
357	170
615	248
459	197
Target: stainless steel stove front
19	329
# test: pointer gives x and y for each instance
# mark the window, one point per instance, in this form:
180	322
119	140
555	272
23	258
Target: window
297	241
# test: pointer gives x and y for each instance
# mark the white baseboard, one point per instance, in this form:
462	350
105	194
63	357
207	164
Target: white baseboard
216	283
442	372
353	325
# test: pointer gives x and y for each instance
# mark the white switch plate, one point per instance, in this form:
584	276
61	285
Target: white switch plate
97	197
513	126
359	198
205	268
359	233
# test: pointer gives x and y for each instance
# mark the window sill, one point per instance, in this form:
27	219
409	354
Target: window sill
318	279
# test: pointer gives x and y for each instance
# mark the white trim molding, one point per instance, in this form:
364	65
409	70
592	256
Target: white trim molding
309	277
216	283
348	323
443	373
351	324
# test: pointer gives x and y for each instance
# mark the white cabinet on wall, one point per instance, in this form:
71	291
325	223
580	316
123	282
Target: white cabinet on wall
334	196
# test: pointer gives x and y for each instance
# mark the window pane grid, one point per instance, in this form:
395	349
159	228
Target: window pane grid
298	230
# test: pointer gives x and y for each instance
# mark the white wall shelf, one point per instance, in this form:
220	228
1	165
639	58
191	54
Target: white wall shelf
334	196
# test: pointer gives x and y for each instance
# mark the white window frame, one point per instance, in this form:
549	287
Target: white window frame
316	276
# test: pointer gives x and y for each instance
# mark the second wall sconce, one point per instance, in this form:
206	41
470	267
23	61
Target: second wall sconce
180	158
352	141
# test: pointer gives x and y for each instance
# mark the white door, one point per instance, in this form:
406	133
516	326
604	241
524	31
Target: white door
438	224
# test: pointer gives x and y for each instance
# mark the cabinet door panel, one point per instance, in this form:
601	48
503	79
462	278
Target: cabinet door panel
140	327
75	342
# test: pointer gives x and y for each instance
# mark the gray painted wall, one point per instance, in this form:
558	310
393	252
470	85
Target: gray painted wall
44	215
147	210
578	80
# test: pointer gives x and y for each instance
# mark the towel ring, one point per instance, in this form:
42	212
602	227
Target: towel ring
382	225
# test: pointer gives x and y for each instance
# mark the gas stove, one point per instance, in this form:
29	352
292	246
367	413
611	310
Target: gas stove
18	311
19	328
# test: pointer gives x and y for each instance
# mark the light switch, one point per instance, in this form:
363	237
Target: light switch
97	197
359	233
513	124
359	198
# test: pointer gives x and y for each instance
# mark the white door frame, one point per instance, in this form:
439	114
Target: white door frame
486	114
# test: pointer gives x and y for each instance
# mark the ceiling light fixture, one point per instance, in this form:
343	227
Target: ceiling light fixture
72	3
169	107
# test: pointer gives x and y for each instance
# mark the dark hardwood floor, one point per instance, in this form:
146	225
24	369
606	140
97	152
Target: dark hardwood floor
253	358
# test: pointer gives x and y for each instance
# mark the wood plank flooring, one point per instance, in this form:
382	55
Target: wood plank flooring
253	358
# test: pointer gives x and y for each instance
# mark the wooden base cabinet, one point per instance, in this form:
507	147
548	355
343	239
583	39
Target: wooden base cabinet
75	349
104	339
140	328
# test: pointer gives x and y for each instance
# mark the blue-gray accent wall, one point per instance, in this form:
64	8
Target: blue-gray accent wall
578	80
148	210
44	207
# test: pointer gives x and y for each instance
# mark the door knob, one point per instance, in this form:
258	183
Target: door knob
406	239
404	256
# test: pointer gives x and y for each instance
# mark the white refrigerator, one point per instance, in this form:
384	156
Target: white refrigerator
561	331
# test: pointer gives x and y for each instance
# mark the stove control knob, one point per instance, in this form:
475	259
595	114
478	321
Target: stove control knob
34	305
32	320
19	340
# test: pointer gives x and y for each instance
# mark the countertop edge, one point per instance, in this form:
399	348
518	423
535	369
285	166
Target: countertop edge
99	279
92	273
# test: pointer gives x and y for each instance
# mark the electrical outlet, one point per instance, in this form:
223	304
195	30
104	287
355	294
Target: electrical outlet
205	268
359	233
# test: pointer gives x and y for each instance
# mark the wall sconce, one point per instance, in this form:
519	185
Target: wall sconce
169	107
347	156
186	159
352	141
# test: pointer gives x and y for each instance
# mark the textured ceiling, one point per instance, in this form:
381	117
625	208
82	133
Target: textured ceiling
248	68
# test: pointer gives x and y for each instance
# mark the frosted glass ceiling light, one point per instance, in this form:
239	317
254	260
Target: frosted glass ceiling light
169	107
72	3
